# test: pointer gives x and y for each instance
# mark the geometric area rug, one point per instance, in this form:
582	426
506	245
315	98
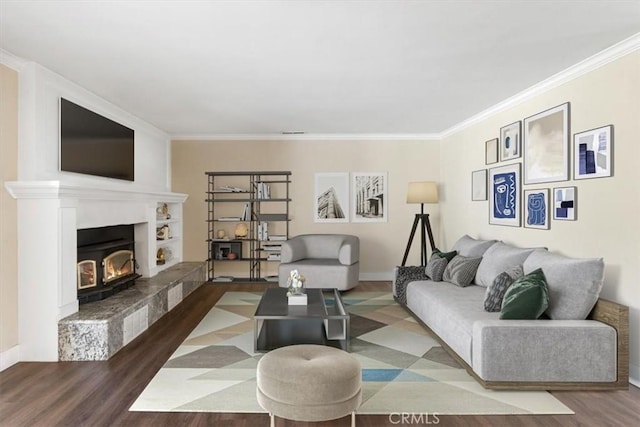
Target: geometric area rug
404	370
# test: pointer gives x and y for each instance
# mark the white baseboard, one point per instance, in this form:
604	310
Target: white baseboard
374	277
634	375
9	358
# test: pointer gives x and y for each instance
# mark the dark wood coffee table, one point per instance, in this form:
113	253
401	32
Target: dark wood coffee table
324	320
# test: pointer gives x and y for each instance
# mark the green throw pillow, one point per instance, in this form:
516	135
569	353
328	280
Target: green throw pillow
448	255
527	298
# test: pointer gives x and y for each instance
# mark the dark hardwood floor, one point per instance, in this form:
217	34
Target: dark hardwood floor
100	393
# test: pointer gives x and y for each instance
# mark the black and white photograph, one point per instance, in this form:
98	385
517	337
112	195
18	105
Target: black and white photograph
331	197
369	197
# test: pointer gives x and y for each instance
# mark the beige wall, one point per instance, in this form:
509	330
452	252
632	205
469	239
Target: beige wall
8	209
608	222
382	244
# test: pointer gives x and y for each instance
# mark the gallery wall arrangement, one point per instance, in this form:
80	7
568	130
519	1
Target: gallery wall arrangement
541	145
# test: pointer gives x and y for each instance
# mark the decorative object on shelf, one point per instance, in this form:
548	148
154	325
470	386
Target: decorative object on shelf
162	212
491	151
479	185
510	141
163	233
421	192
331	197
232	256
221	234
296	283
537	208
504	195
565	203
546	146
160	260
592	153
241	230
370	197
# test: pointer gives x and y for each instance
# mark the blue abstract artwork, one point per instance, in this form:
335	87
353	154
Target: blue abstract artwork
593	153
504	195
537	209
564	203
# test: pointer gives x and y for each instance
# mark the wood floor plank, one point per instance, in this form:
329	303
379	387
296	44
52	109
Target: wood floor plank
100	393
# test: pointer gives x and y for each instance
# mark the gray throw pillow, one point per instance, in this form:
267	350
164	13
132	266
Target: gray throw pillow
435	267
461	270
496	290
470	247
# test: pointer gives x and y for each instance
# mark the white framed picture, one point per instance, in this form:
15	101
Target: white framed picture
479	185
536	208
565	203
510	137
592	153
331	197
369	197
491	151
546	146
504	195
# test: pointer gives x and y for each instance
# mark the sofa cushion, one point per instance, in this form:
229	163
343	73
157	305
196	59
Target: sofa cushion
435	267
574	283
470	247
495	291
461	270
498	258
450	311
527	298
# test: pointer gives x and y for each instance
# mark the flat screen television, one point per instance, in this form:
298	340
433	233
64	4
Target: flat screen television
92	144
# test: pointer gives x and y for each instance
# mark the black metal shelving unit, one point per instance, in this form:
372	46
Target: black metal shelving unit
278	182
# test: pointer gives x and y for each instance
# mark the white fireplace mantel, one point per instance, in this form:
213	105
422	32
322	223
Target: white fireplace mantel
49	215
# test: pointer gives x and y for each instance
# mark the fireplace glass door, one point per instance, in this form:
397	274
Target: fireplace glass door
117	265
87	277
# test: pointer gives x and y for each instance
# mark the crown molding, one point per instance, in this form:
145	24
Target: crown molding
12	61
308	137
592	63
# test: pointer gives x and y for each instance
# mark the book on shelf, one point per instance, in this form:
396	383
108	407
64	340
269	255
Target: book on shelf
277	237
229	218
221	239
272	247
272	217
274	257
263	231
228	189
263	191
272	278
246	212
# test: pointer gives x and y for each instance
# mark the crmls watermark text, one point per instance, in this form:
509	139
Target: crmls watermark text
413	418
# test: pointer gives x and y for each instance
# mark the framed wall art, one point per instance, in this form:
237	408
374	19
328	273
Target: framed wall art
479	185
565	203
504	195
369	197
491	151
536	208
546	146
510	137
592	153
331	197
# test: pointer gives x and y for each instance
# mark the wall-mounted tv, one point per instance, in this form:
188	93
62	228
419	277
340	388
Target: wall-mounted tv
92	144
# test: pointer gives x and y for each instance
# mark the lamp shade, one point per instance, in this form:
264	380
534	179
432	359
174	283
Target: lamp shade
422	192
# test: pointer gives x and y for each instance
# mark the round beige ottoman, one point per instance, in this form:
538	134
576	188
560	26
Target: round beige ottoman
309	383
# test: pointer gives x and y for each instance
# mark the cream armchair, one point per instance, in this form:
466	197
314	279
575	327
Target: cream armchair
325	260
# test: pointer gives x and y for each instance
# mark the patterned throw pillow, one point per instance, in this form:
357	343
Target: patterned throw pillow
448	255
435	267
527	298
496	290
461	270
404	276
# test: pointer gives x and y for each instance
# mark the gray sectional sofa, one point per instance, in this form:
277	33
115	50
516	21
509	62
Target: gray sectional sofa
581	342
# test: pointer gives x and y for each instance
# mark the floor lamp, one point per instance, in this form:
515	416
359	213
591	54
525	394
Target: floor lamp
421	192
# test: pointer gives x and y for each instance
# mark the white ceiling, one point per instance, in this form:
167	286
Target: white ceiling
323	67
